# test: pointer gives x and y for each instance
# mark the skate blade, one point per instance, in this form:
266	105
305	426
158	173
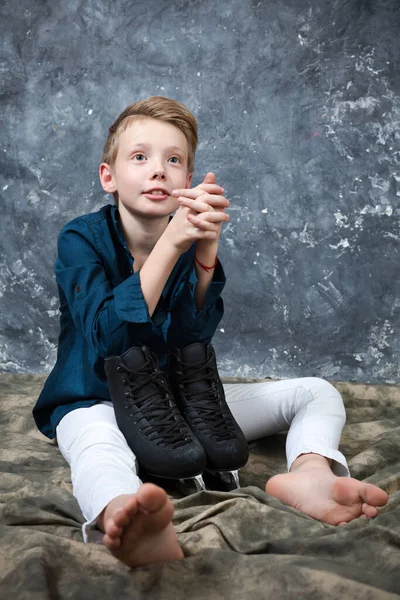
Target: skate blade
230	477
222	480
198	482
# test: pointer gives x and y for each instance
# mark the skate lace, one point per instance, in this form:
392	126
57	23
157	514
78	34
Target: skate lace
206	402
162	427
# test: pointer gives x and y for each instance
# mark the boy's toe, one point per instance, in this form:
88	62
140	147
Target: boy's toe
113	531
369	511
120	518
111	543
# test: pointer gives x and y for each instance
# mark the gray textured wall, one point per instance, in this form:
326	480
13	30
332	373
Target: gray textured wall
299	112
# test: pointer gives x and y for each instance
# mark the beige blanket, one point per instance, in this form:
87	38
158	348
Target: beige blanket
237	545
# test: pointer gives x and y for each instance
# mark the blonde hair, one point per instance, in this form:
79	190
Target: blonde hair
155	107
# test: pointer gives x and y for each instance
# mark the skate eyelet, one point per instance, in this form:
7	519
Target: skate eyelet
119	369
127	393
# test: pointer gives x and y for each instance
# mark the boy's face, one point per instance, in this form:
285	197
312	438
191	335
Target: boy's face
151	161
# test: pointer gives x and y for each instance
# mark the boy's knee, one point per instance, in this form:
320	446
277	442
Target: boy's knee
317	384
102	442
98	432
326	393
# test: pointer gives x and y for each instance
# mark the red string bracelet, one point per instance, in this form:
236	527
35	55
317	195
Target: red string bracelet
208	269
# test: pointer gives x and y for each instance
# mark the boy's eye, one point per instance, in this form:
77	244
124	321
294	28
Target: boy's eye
175	159
139	157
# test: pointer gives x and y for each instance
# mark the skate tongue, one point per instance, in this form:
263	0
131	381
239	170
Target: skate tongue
193	356
194	353
135	357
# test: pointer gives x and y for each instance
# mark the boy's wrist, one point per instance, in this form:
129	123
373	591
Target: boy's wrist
206	251
168	248
207	268
170	245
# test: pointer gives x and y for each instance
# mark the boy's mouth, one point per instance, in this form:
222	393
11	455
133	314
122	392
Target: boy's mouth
157	194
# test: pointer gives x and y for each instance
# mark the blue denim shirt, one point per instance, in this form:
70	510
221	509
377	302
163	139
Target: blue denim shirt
103	313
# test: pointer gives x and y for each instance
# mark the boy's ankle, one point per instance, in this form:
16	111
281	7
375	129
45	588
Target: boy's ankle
310	459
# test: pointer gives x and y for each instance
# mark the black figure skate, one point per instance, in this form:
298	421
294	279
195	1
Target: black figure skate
147	416
200	397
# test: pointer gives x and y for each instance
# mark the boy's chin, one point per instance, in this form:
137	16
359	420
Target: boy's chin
152	212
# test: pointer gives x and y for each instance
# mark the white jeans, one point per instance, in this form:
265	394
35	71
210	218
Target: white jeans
103	466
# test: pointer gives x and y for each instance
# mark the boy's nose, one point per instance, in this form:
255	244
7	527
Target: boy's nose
159	175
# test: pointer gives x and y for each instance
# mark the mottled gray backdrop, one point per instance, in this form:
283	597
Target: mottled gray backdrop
299	113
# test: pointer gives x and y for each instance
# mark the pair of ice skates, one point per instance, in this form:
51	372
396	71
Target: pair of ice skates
180	426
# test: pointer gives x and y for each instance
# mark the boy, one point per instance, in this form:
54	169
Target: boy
134	282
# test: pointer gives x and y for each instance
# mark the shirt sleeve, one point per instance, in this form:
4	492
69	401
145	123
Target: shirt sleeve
109	317
189	326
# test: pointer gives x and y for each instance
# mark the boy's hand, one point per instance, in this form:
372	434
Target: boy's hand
206	196
204	200
203	207
202	225
182	231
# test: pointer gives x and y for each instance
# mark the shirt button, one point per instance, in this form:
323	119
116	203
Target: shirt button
78	289
190	285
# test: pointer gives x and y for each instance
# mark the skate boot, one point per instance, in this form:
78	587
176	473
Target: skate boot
200	397
147	416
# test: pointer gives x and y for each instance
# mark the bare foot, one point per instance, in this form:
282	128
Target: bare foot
312	488
138	528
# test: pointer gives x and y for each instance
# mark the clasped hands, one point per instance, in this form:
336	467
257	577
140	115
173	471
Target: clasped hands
200	214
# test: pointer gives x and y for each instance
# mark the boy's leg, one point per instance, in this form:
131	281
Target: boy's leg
313	411
135	518
310	408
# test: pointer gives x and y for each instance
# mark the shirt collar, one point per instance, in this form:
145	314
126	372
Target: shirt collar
116	219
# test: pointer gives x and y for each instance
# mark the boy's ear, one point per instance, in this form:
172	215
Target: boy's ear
189	180
106	178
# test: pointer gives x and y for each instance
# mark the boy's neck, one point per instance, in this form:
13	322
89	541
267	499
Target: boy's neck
141	234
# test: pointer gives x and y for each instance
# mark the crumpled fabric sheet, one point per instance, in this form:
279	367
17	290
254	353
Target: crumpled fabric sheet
237	545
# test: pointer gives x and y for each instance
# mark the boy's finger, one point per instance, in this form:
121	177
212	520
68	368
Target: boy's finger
212	200
215	217
203	225
204	203
209	177
192	193
209	217
194	204
198	190
211	188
